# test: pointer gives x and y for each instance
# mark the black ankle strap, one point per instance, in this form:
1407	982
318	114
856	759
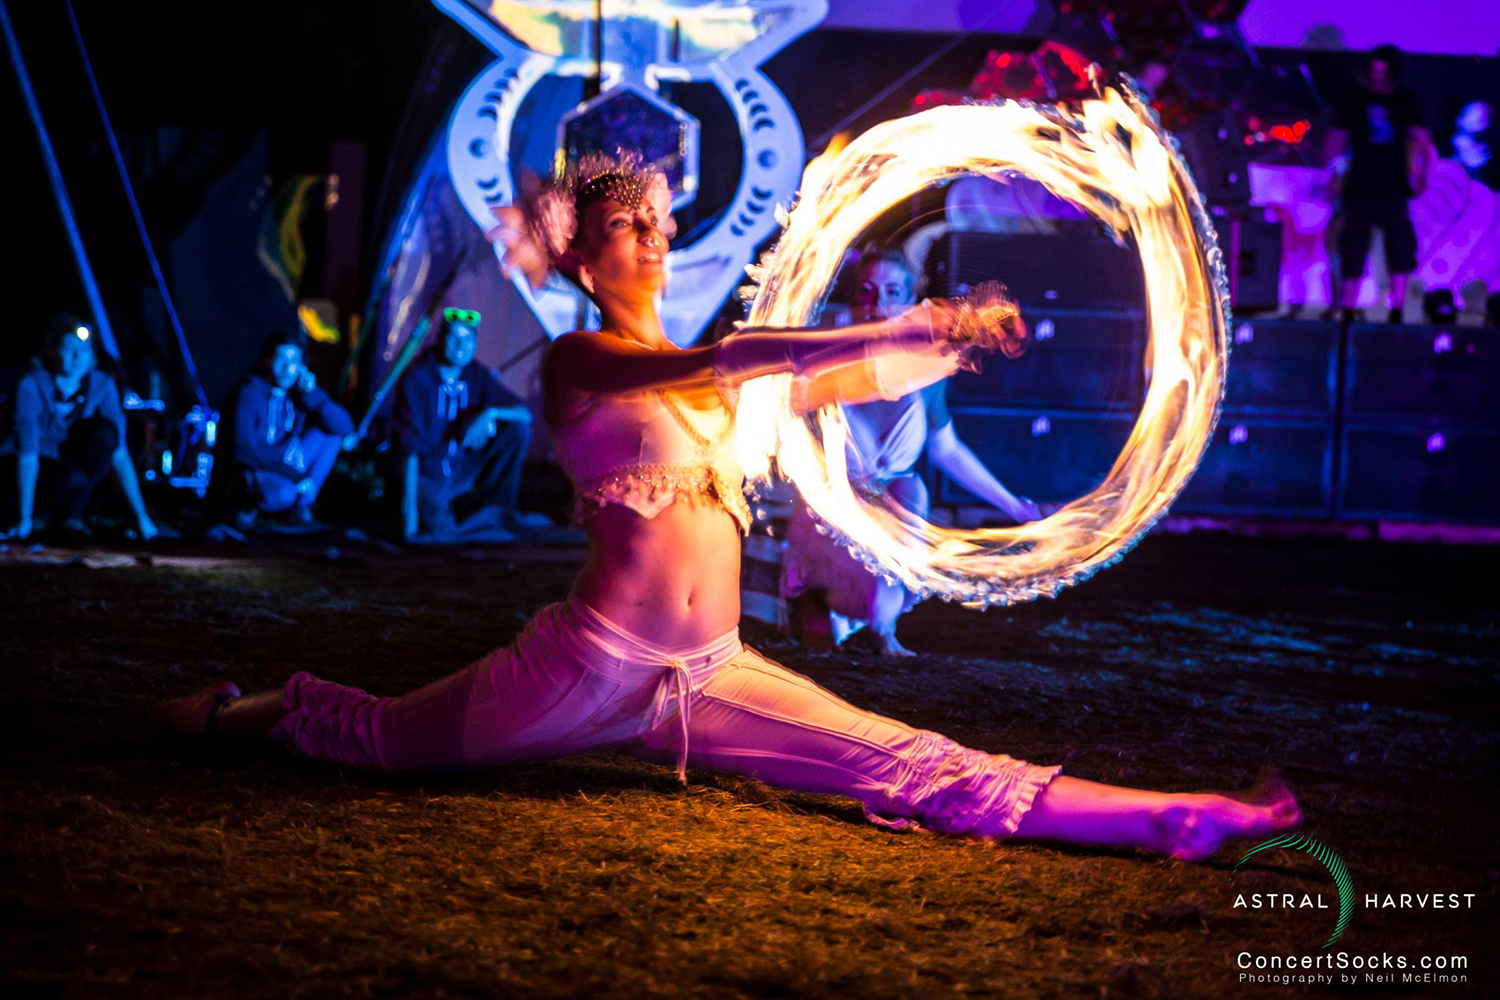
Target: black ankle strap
211	725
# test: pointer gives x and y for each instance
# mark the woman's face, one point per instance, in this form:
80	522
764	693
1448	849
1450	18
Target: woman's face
623	248
74	357
884	290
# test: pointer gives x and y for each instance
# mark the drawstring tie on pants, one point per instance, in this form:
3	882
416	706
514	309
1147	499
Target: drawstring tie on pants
636	661
683	679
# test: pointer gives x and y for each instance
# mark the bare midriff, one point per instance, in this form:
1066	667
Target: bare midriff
673	579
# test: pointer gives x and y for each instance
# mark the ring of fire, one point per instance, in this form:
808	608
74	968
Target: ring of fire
1110	157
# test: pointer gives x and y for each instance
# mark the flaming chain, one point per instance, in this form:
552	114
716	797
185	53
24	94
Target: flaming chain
1110	157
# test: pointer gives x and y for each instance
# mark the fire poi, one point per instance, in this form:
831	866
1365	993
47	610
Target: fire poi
1109	156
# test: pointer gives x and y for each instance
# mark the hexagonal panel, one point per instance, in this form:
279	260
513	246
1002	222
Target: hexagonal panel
630	117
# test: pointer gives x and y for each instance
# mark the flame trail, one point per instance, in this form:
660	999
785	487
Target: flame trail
1109	156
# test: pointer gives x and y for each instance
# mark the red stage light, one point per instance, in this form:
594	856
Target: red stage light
1054	71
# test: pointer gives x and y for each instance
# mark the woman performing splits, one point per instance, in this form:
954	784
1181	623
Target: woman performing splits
645	655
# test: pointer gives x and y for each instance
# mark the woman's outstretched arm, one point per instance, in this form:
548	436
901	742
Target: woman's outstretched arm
951	454
596	363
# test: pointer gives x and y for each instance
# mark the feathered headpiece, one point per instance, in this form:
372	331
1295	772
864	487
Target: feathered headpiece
538	234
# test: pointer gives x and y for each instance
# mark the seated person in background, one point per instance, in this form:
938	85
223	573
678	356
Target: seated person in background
69	433
456	430
286	432
830	594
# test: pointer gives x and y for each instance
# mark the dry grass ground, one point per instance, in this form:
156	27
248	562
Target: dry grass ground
138	865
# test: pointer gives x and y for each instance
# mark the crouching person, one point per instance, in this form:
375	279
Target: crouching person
459	438
69	434
287	433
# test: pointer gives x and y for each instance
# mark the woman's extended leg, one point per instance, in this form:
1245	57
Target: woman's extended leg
533	698
758	718
755	717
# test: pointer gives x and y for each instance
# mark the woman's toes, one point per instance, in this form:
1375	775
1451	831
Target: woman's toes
1286	814
1195	827
889	646
1277	811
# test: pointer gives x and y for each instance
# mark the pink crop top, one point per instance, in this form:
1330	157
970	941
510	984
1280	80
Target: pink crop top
630	449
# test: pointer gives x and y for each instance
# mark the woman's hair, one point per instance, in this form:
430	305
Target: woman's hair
555	211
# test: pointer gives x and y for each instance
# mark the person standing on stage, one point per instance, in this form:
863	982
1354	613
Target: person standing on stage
69	434
286	433
1380	126
459	436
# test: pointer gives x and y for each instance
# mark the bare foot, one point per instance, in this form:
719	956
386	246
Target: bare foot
189	715
1194	825
887	645
866	640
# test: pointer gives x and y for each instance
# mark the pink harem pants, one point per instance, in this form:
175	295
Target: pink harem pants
575	682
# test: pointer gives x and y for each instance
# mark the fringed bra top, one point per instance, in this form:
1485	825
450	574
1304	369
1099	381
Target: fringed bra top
644	450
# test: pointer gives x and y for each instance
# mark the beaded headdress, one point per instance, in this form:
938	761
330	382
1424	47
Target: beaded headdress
597	176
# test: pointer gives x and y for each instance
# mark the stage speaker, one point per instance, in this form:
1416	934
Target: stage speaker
1433	473
1076	359
1416	373
1214	146
1046	455
1251	243
1264	466
1282	367
1077	268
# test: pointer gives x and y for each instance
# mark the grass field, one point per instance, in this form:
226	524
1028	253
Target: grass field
135	864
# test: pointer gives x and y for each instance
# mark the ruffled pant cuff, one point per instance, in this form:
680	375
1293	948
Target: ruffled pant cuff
329	721
965	792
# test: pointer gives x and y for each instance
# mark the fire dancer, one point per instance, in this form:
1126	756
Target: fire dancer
830	593
645	654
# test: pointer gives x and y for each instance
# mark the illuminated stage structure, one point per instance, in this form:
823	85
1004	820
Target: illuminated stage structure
1294	441
636	47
